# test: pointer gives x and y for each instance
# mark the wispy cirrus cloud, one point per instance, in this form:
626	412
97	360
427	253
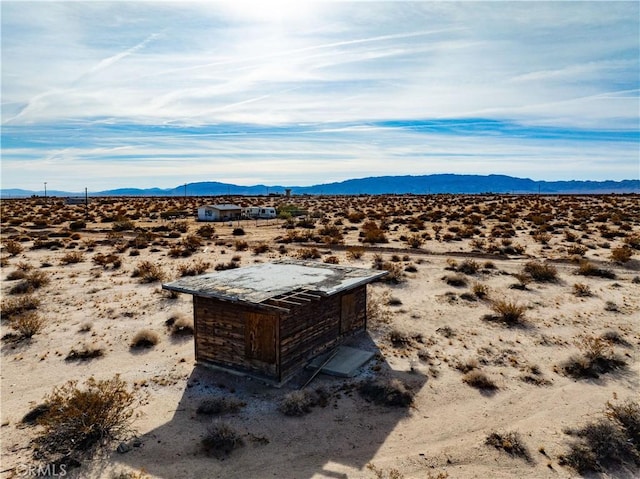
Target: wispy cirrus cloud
331	89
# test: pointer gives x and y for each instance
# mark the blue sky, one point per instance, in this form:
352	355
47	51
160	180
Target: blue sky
141	94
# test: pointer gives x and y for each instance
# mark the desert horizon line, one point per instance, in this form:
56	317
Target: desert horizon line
215	183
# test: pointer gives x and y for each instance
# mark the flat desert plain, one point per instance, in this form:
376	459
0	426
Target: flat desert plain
506	339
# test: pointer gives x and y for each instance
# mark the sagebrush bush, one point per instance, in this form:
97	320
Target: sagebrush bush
297	403
33	280
589	269
480	290
541	272
508	312
582	290
509	442
597	357
622	254
355	252
81	418
16	275
261	248
606	443
11	307
457	280
28	324
221	440
85	353
105	260
72	257
386	392
12	247
194	268
308	253
468	266
182	326
148	272
145	339
479	380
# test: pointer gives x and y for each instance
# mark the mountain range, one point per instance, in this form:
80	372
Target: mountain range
425	184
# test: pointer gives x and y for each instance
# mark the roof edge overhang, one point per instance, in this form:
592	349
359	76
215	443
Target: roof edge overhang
221	297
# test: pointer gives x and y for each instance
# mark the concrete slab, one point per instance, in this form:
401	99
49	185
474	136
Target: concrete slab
344	364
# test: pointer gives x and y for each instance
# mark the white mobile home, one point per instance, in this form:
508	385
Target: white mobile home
264	212
224	212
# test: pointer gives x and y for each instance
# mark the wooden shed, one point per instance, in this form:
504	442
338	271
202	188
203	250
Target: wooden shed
269	319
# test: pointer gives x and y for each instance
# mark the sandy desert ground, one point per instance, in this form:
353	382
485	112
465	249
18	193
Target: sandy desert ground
493	395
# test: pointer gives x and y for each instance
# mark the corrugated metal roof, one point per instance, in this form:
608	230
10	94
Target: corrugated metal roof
258	283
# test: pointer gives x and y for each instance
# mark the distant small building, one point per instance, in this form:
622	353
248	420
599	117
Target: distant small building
264	212
76	200
269	319
226	212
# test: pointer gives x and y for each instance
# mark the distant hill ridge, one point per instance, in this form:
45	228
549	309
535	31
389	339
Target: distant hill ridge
424	184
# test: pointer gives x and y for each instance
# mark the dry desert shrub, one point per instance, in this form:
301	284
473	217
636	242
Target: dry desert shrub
224	266
541	272
479	380
372	233
12	247
415	241
241	245
392	473
72	257
79	419
297	403
582	290
180	326
386	392
308	253
206	231
589	269
261	248
597	357
622	254
145	339
148	272
480	290
355	252
32	280
194	268
607	443
15	306
633	240
614	337
508	312
331	260
221	440
28	324
85	353
456	280
468	266
509	442
220	405
105	260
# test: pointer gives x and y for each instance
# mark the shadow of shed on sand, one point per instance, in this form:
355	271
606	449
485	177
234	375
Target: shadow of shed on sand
343	433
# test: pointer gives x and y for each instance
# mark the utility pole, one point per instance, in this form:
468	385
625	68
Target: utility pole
86	204
45	191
